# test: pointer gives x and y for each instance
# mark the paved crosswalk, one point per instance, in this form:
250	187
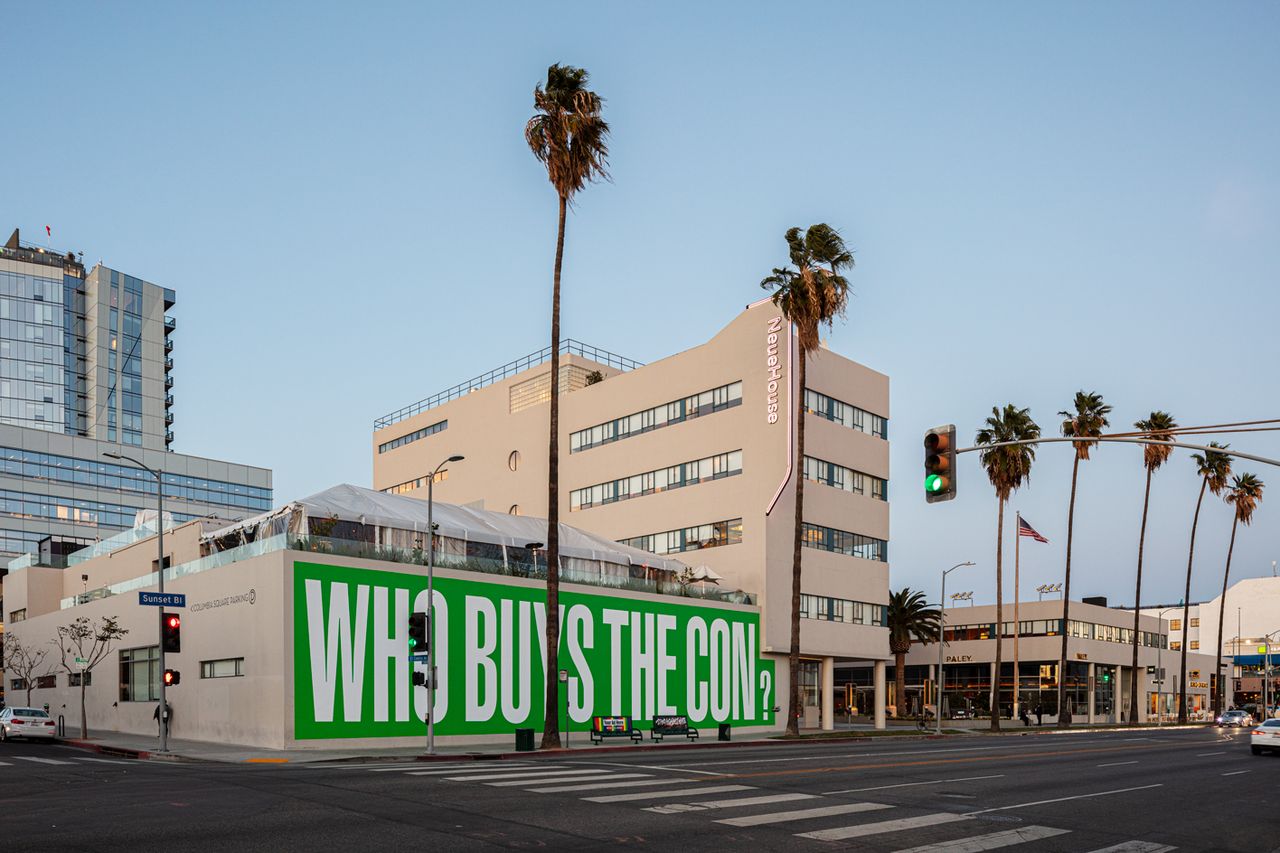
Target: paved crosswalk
666	793
19	761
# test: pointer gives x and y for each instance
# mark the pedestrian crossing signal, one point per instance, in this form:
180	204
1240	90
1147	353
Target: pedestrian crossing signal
172	678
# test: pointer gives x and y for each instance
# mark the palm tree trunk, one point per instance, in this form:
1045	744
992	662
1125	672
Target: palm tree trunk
1137	604
899	683
1222	614
995	679
1186	613
794	709
551	709
1064	719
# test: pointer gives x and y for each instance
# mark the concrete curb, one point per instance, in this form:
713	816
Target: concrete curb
121	751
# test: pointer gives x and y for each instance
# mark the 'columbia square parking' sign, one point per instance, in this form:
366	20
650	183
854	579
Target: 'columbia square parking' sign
353	676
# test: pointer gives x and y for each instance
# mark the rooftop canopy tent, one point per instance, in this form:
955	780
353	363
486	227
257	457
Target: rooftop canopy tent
346	518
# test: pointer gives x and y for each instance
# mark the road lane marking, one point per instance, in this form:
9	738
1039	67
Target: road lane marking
913	784
485	770
595	777
522	774
447	768
672	793
1117	764
842	832
1137	847
597	786
992	841
1203	754
105	761
827	757
729	804
5	764
40	760
802	814
1235	773
1065	799
680	767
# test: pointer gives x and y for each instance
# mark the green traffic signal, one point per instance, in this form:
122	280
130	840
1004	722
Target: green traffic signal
932	483
412	642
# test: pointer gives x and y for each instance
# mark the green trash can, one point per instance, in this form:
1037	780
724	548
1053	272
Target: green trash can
524	740
724	732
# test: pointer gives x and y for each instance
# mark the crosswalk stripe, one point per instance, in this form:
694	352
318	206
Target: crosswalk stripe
595	777
521	774
106	761
1138	847
994	840
802	814
40	760
842	832
437	770
673	792
560	787
5	764
676	808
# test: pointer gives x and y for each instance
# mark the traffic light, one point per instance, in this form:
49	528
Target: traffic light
419	679
172	678
940	463
171	633
418	632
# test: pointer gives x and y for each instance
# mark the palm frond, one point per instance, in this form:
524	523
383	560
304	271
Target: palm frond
811	295
1088	419
1158	428
1007	467
1245	495
567	133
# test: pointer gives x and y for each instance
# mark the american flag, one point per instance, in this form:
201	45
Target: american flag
1025	529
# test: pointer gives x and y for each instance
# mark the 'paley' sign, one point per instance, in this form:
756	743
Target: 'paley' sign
353	676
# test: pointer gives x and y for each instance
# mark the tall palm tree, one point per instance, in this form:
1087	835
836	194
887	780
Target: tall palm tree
909	620
1214	470
1007	467
569	136
1244	497
1086	419
1157	429
811	294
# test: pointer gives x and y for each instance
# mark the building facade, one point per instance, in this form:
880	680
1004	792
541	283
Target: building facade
1099	663
295	631
691	456
1252	614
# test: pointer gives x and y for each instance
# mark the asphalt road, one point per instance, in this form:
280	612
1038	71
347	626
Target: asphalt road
1144	792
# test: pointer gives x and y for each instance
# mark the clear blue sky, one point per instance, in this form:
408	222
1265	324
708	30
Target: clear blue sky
343	200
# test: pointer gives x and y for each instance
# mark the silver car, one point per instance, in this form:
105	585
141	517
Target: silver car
28	723
1235	718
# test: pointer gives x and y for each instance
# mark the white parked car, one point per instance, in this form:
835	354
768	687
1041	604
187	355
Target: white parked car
29	723
1265	736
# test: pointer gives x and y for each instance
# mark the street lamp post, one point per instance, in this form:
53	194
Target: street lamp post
431	602
164	706
942	633
1160	670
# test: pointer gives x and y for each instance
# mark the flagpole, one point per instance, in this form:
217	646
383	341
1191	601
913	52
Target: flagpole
1017	559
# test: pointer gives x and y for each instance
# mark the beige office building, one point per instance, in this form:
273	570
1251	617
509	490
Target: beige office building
691	453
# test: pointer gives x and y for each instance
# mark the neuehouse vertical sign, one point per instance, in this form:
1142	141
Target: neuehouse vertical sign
774	368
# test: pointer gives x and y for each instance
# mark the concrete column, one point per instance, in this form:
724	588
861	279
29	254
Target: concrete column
931	689
880	694
1091	683
828	694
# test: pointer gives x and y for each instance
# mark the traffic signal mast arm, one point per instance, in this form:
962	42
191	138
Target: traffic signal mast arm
1224	451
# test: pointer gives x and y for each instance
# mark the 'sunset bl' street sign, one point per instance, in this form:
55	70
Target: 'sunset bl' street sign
163	599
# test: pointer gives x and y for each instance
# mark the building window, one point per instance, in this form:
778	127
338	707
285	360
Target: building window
410	485
18	615
1175	624
847	479
225	668
695	538
44	682
536	391
1175	645
844	542
513	460
514	510
1195	644
16	684
413	436
661	480
73	679
1195	622
828	609
845	414
140	674
677	411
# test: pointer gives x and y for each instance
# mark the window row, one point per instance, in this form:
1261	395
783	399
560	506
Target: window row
410	485
19	505
34	287
664	479
677	411
29	351
107	475
841	610
845	414
1053	628
26	311
13	368
695	538
413	436
840	477
844	542
50	335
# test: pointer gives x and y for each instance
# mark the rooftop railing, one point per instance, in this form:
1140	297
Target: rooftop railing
567	347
